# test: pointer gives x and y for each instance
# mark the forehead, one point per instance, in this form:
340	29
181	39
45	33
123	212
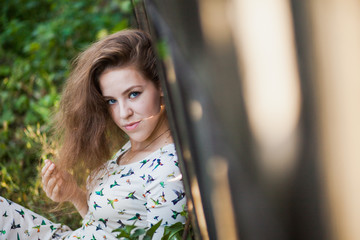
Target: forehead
120	79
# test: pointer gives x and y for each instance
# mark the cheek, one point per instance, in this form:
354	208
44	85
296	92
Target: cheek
151	107
114	114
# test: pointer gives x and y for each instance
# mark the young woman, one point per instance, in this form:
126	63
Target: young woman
112	96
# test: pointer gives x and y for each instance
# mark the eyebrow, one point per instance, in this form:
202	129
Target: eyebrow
126	91
130	89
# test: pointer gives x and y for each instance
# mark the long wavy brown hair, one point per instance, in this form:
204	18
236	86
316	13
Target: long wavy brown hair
86	134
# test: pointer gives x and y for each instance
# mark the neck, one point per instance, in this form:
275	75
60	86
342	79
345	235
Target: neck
158	138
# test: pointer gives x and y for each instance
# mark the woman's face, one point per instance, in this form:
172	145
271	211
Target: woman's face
134	101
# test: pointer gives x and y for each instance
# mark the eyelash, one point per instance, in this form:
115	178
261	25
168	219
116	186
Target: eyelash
113	101
110	101
136	94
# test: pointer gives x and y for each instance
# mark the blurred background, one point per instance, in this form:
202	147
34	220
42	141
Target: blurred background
263	100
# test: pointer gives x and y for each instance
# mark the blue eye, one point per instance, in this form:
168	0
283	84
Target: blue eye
134	94
111	101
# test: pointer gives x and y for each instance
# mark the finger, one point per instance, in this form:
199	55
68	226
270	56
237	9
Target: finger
55	192
51	184
48	172
48	181
46	166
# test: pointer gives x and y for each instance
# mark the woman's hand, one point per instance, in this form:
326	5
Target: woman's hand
60	186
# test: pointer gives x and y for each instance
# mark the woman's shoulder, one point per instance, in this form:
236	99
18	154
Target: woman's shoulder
164	161
122	150
111	163
166	153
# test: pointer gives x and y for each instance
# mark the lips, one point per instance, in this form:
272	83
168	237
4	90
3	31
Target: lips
131	126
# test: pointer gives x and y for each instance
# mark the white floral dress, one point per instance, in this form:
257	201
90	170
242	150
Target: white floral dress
140	193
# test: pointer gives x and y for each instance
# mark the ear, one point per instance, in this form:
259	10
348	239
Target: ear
161	92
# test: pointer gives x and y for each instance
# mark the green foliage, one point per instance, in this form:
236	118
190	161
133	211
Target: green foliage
131	232
162	49
172	232
38	40
176	230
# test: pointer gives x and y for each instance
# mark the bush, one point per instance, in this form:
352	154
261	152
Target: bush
38	40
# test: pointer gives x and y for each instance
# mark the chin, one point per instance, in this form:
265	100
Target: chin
138	139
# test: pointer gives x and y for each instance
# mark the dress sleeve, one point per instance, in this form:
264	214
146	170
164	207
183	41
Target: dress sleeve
165	192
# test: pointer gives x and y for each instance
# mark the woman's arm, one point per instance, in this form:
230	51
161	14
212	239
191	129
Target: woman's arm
60	186
80	202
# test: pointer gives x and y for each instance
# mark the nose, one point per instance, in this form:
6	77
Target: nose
125	110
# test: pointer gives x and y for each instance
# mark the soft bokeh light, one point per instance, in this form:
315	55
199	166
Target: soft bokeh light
337	61
221	199
199	208
266	51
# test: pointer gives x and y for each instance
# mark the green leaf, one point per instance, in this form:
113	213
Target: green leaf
129	228
102	33
123	235
123	24
7	116
184	212
125	231
21	103
162	49
165	236
4	70
32	47
174	231
126	6
175	236
138	232
152	230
